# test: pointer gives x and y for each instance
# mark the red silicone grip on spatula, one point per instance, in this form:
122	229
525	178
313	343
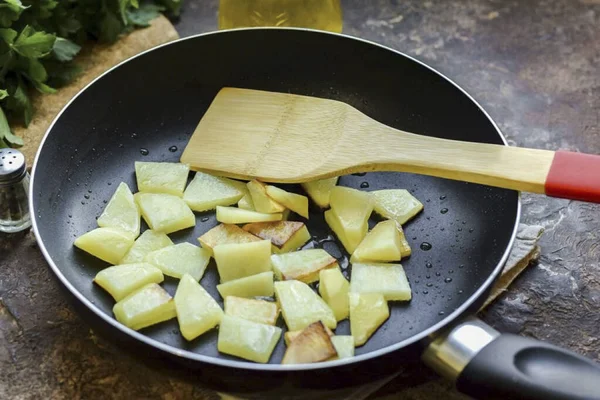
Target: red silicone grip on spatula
574	176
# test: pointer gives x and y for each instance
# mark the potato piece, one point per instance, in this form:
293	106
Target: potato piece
250	286
148	242
289	336
301	306
344	346
232	215
319	190
312	345
382	244
205	192
238	260
404	246
367	312
225	234
165	212
108	244
336	226
386	279
120	280
197	311
396	204
146	306
262	202
352	209
295	202
246	339
285	236
121	212
246	203
180	259
161	177
303	265
261	311
334	288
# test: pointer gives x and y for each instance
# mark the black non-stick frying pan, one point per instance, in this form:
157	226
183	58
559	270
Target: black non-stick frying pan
147	108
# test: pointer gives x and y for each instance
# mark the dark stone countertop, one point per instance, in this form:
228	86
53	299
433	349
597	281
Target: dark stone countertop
533	65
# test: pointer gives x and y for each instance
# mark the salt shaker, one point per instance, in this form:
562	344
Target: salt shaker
14	187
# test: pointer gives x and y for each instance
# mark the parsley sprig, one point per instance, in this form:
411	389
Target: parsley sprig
39	40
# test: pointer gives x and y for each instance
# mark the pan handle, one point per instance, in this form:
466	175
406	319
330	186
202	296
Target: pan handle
488	365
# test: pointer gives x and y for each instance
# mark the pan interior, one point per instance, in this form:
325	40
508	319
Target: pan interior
147	109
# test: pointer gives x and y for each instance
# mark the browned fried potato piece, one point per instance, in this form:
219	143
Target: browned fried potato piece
312	345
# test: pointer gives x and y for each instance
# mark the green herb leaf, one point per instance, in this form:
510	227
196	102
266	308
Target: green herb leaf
43	88
110	27
10	10
8	35
144	14
64	49
20	103
5	134
33	44
3	94
59	73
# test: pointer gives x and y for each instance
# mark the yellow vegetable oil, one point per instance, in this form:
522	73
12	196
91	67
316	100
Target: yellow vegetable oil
316	14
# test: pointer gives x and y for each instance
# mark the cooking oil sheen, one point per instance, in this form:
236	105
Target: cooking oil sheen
316	14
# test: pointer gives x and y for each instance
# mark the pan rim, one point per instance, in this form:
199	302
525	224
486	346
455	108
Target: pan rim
423	335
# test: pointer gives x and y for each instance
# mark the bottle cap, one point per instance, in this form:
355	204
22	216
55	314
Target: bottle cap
12	166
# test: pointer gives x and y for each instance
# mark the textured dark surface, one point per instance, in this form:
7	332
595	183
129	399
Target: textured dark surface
534	66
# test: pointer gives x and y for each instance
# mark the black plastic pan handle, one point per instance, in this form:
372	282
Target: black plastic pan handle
487	365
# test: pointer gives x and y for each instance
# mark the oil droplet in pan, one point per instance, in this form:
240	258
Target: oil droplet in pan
426	246
144	151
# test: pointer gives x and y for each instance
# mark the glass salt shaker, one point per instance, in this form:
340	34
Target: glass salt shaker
14	187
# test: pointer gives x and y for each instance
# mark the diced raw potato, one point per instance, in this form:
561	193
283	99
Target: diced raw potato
333	288
146	306
295	202
148	242
250	286
386	279
289	336
121	212
336	226
352	209
404	246
246	203
344	345
108	244
261	311
180	259
285	214
161	177
319	190
313	344
225	234
246	339
285	236
367	312
205	192
301	306
238	260
396	204
233	215
165	212
303	265
120	280
197	311
380	245
262	202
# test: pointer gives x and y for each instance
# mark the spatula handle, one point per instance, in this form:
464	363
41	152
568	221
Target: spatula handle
562	174
574	176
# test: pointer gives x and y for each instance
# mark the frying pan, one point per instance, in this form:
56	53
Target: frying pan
147	108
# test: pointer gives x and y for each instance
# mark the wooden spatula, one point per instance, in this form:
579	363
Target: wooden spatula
280	137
